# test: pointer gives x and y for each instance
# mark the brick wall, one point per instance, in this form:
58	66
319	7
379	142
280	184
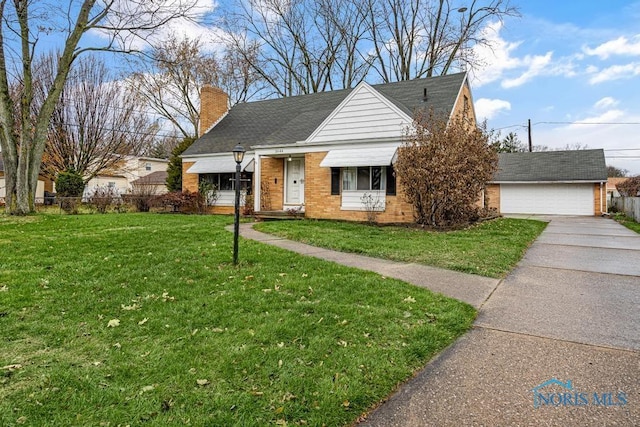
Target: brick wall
214	102
189	180
492	197
272	174
320	204
599	198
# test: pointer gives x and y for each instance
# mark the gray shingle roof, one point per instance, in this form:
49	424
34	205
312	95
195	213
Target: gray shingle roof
293	119
549	166
154	178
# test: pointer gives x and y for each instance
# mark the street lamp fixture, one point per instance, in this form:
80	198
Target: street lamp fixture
238	156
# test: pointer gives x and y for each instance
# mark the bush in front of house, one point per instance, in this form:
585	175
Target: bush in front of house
443	166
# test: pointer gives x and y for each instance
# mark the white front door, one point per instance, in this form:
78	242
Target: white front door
294	194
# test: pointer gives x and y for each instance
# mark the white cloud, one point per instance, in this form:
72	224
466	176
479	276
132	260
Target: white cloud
616	72
605	103
609	116
620	46
489	108
536	66
499	60
123	11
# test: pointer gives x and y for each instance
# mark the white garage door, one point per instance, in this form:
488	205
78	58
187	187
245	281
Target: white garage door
549	199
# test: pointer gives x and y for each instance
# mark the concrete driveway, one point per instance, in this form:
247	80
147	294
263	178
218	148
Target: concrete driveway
558	333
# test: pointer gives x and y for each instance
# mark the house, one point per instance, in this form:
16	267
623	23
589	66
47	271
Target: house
44	184
156	182
330	155
130	171
550	182
321	153
612	191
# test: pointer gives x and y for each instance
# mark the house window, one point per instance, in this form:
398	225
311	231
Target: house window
363	178
226	181
111	184
147	166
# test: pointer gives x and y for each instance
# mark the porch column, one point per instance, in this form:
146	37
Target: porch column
257	169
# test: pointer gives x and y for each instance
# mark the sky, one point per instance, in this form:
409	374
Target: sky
573	69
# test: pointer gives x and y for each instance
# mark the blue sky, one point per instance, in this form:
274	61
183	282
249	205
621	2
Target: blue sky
563	64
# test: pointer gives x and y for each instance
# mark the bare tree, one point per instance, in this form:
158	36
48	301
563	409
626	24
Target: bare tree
301	46
23	136
423	38
178	68
96	121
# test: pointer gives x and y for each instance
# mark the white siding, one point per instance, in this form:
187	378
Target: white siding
364	114
352	200
39	191
227	198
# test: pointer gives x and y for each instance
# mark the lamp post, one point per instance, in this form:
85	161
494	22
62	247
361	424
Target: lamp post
238	156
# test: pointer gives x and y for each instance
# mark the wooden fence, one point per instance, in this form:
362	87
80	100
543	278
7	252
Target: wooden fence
629	205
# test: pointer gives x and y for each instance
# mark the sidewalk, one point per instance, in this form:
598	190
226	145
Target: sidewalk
557	342
469	288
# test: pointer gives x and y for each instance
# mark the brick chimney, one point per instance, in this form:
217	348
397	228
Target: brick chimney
214	103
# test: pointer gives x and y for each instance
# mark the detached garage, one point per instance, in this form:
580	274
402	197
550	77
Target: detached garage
550	183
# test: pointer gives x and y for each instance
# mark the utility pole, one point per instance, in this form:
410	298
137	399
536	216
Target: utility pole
529	129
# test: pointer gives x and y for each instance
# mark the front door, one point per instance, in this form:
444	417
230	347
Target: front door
295	182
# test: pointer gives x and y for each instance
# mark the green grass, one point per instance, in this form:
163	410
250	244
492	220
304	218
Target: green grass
280	340
490	248
628	222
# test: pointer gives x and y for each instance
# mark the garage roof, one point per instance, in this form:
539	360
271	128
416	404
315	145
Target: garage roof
552	166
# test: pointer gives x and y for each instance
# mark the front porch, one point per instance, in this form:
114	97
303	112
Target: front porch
279	215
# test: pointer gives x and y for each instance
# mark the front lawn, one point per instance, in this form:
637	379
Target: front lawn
132	319
490	248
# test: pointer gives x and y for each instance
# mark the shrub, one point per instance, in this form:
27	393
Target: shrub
143	196
180	201
69	186
629	187
103	197
443	166
208	196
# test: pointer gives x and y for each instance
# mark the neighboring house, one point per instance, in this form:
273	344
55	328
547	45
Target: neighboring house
44	184
155	182
612	191
319	153
550	182
131	170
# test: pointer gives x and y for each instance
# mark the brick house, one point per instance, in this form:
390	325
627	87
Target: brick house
318	153
323	154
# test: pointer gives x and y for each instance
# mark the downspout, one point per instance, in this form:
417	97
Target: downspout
603	212
257	172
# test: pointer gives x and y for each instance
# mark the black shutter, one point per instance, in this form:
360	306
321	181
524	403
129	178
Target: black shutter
335	181
391	181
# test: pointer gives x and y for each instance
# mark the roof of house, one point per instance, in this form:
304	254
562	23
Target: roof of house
552	166
154	178
292	119
613	181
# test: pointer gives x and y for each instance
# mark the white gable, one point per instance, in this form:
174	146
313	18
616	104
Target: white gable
364	114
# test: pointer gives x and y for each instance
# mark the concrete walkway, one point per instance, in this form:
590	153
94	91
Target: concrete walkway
465	287
565	322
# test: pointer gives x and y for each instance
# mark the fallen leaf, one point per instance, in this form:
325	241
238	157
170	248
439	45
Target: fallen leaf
21	420
4	288
202	382
130	307
409	299
346	403
117	345
143	321
113	323
147	388
12	367
282	274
